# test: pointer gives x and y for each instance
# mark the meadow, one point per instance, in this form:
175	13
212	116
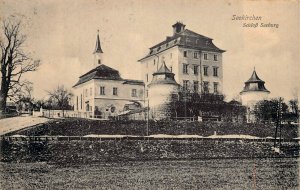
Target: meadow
177	174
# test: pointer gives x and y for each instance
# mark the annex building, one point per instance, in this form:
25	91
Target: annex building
102	92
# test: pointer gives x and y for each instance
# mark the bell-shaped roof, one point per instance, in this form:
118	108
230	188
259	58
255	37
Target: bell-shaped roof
163	70
255	84
163	76
254	78
98	45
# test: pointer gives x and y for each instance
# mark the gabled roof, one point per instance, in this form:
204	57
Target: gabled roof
100	72
186	38
98	45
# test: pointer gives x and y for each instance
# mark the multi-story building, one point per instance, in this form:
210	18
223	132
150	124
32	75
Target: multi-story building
102	92
193	58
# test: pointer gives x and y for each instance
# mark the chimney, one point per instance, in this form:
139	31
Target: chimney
178	27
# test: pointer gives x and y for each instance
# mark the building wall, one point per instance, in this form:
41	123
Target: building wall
82	94
92	97
174	59
250	98
191	61
153	63
161	97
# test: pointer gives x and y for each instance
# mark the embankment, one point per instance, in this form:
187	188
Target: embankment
103	150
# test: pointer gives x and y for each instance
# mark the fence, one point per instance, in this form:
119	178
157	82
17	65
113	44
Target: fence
63	113
135	138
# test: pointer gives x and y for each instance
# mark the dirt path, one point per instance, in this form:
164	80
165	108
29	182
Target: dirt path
16	123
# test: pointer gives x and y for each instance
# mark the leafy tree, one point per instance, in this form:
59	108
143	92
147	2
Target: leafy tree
267	110
294	106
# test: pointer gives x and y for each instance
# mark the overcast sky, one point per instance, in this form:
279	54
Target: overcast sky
62	34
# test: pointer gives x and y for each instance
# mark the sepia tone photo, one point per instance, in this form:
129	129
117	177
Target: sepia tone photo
136	94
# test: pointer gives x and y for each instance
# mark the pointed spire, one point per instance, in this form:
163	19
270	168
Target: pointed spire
98	45
254	77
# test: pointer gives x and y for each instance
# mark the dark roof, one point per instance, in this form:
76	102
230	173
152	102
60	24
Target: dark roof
100	72
105	73
163	69
254	84
168	79
254	78
98	45
130	81
186	38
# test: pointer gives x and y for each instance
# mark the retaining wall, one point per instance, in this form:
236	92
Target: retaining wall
93	150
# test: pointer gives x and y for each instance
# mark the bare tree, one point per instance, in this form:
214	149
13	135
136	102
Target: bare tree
14	61
60	96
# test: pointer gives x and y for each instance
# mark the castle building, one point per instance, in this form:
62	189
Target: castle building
253	92
163	91
193	58
102	92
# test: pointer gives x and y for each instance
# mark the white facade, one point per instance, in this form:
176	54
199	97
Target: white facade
109	97
191	64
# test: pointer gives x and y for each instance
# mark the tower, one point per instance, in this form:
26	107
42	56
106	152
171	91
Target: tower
98	53
163	90
253	92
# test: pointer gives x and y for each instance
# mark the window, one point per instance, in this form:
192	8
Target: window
205	56
215	57
133	93
91	91
102	90
196	55
196	86
154	62
205	69
115	91
185	84
86	92
215	71
99	61
185	54
185	68
196	69
80	101
205	87
146	77
77	102
215	87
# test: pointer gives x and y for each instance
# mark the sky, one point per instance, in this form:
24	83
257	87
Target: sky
62	35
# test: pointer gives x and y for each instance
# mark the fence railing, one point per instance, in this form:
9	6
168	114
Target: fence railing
117	138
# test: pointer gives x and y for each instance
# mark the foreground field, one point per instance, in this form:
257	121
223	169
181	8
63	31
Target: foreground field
200	174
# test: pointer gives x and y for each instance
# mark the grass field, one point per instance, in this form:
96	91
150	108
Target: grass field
197	174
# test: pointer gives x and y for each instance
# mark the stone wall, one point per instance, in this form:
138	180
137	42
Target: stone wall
78	151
